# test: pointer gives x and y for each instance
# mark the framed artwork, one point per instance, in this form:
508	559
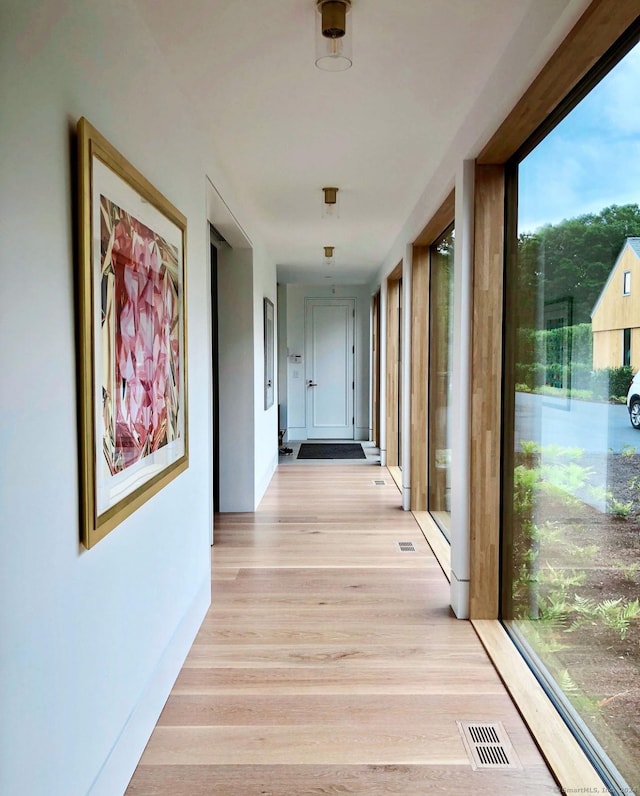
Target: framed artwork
268	353
131	337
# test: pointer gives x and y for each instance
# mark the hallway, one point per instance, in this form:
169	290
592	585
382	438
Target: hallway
329	662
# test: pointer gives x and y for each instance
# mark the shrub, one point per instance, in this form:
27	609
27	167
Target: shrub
540	362
611	383
619	380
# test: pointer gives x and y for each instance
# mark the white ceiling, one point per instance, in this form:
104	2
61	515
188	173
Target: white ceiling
282	129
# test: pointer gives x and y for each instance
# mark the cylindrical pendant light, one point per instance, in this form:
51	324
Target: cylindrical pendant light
328	255
330	205
333	35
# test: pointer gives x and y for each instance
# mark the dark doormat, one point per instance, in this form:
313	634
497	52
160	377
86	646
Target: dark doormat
330	450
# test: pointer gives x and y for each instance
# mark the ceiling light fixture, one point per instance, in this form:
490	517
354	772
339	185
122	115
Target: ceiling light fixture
328	255
333	35
330	207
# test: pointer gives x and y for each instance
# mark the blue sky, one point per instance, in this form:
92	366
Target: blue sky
591	159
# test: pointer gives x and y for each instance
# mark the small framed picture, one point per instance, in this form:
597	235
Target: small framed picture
268	353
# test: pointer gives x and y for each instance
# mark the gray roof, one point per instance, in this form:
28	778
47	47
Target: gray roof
635	245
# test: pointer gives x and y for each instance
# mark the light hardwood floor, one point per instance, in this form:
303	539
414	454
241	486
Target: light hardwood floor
329	662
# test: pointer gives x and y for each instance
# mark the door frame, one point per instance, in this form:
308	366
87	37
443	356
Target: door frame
215	375
309	375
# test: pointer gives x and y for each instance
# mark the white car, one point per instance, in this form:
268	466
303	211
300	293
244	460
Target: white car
633	401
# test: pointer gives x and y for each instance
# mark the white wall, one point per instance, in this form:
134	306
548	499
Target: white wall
248	431
237	378
282	354
295	343
89	640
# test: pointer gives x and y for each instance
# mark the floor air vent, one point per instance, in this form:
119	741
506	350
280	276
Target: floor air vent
379	482
406	547
488	745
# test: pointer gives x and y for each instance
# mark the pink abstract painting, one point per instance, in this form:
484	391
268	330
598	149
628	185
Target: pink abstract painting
140	282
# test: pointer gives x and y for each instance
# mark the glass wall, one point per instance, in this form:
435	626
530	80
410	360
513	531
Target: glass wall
440	379
571	527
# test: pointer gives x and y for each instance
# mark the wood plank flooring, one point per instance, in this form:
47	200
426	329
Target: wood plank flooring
329	661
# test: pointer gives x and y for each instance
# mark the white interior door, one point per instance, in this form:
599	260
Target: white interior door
329	375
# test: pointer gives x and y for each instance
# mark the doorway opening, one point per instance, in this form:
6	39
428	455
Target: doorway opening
215	369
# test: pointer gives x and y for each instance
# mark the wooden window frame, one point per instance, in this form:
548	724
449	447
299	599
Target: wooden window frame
392	408
375	364
420	324
589	42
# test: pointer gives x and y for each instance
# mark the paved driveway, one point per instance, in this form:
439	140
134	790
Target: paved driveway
594	427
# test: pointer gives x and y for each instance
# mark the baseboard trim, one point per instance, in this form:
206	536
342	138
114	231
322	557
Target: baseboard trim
262	487
438	544
119	766
459	596
396	474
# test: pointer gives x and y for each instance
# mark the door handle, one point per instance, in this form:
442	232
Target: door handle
311	383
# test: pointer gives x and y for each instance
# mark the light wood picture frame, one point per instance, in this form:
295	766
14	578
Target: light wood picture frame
132	338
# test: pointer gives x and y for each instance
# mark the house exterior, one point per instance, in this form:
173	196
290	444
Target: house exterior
615	319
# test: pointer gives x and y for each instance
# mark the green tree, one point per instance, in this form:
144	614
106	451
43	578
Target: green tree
572	259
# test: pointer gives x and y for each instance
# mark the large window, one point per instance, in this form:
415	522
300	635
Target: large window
440	379
394	367
571	530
